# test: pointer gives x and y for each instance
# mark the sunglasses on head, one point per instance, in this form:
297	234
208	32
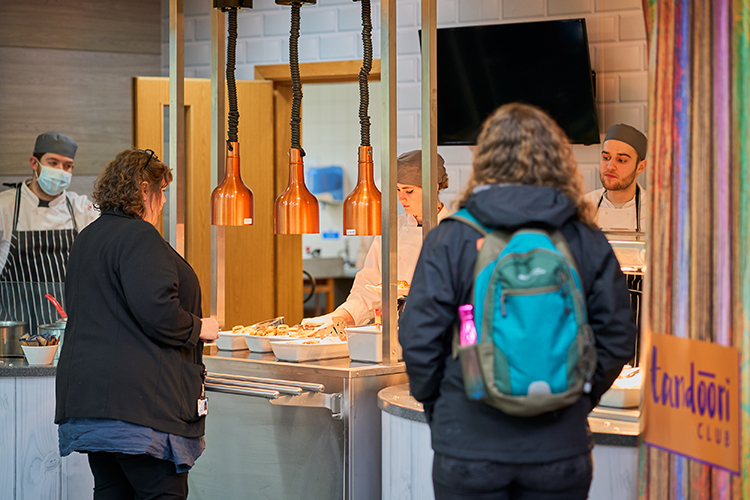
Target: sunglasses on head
151	155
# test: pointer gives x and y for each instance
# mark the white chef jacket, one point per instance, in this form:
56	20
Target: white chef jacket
32	217
609	218
360	303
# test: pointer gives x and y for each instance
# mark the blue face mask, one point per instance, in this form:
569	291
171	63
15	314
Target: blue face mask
53	181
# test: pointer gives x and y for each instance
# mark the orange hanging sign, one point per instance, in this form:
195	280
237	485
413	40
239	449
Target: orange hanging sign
691	400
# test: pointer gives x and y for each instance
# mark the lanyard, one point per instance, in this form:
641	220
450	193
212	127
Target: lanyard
637	206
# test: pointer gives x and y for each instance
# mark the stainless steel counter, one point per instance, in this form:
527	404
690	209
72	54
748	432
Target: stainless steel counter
610	426
319	442
408	453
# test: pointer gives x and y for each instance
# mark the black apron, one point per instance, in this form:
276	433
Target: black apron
634	281
35	266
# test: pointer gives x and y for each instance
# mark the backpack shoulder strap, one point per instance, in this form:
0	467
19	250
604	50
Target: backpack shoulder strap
562	244
467	218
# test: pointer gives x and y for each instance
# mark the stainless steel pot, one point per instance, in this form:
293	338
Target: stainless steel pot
56	329
10	332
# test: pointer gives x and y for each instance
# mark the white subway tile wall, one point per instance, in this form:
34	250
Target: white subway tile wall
524	9
570	7
330	31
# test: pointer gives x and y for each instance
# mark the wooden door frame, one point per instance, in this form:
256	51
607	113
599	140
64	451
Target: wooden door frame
250	252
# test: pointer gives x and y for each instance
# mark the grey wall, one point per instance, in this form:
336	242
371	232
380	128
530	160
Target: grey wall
67	66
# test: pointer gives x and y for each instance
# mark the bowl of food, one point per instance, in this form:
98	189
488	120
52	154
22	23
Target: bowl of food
39	354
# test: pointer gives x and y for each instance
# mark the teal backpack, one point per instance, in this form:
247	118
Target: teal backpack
535	350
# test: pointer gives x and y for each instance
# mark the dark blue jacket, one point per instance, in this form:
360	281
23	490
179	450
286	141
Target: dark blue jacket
443	281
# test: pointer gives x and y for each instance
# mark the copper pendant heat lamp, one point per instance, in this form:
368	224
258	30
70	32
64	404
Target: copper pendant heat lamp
232	202
362	206
296	209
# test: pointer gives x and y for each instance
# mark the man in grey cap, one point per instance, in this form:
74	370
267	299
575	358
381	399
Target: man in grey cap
40	219
620	203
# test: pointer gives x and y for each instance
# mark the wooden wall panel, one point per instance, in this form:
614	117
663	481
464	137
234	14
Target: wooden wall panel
86	95
251	274
131	26
288	246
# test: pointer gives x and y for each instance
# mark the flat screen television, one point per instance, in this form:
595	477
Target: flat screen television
480	68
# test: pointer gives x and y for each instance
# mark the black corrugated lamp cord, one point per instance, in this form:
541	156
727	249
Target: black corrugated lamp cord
364	94
234	114
296	83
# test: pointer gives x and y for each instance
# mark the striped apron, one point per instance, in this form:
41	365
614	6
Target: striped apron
36	266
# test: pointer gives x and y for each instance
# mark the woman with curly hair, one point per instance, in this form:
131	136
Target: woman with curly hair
130	375
524	176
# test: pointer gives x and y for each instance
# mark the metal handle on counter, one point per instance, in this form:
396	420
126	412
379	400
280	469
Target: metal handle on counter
243	391
278	392
241	378
313	400
281	389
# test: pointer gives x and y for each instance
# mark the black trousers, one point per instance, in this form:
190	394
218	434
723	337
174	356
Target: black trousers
460	479
118	476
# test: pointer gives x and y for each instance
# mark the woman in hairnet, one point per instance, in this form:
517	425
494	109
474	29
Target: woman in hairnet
359	308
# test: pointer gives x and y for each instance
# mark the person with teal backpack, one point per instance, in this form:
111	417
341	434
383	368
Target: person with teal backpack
518	320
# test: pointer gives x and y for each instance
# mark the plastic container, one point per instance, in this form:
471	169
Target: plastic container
327	183
365	344
39	354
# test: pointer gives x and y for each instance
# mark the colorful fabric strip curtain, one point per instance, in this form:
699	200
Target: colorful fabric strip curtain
698	281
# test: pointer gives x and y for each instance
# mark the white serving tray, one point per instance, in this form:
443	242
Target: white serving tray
230	341
261	343
617	397
296	350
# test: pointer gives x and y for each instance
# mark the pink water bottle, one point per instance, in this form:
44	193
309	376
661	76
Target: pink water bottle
467	333
467	336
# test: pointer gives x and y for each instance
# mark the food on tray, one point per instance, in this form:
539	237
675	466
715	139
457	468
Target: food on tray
629	378
296	332
403	287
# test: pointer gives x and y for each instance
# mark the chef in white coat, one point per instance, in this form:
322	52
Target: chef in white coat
620	202
359	308
39	220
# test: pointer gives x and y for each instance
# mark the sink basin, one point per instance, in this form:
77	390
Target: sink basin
324	267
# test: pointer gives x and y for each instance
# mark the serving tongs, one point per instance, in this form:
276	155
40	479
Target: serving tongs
268	322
